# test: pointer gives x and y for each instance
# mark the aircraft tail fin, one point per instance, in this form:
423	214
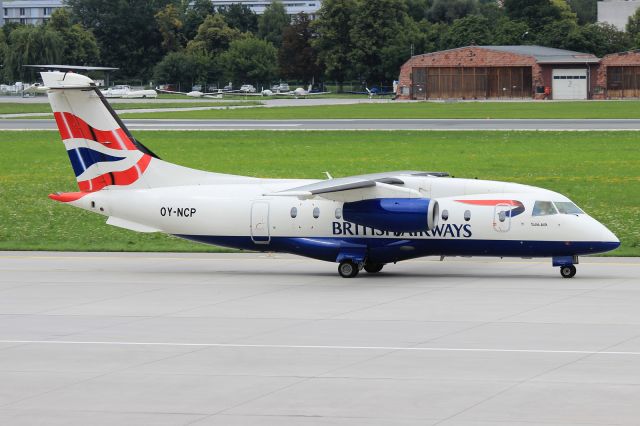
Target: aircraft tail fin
101	149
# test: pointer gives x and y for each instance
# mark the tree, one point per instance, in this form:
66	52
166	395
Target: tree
240	17
536	13
508	32
126	32
186	69
560	34
170	25
450	10
333	41
3	53
250	60
80	45
272	22
601	39
418	9
379	24
470	30
297	58
214	36
29	45
633	27
194	15
586	10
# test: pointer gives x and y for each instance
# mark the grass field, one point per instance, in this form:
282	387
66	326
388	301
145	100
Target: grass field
21	108
598	170
399	110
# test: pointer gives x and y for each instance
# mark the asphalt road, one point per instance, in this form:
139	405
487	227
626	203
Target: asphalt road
351	124
220	339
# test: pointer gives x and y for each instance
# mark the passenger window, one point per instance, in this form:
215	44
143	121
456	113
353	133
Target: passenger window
566	207
502	216
316	212
445	214
467	215
294	212
338	213
543	208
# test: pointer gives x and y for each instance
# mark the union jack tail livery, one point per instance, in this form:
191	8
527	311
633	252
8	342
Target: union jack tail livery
101	149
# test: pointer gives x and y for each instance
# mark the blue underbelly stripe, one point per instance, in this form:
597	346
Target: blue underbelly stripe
385	250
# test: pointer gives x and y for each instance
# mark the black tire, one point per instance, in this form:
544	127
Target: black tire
567	271
373	268
348	269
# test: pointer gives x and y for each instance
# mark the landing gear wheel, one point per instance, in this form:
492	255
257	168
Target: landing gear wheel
348	269
567	271
372	268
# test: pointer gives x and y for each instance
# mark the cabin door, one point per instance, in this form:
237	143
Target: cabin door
260	222
502	217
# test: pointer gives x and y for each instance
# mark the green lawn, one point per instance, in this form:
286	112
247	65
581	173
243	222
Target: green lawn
20	108
599	170
399	110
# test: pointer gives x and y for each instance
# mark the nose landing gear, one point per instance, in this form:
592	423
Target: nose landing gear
567	271
566	264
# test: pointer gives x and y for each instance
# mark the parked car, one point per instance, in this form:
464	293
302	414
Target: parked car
247	88
280	88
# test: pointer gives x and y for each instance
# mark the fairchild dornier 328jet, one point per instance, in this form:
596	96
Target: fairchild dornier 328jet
360	222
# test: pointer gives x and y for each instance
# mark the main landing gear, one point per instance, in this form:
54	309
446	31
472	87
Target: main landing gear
349	269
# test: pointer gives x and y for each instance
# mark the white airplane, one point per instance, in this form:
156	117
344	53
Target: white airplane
297	93
300	92
195	93
360	222
124	91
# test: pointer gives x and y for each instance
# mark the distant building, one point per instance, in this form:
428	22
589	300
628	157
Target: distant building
617	12
519	72
30	12
35	12
310	7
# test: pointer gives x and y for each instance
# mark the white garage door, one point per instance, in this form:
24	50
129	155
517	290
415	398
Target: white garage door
569	84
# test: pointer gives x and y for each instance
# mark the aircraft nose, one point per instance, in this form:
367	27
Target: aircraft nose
607	238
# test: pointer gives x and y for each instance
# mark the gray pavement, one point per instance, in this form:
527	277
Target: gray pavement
350	124
244	339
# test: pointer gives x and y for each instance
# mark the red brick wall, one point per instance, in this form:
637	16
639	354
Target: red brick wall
468	57
622	59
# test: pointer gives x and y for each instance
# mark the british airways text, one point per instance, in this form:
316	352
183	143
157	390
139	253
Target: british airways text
451	230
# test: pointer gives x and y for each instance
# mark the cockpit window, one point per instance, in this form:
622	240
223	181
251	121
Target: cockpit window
543	208
566	207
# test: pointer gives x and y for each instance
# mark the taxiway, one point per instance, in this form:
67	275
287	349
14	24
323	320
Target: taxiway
350	124
237	339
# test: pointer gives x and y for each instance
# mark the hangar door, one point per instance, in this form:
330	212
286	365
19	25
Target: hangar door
471	83
569	83
623	82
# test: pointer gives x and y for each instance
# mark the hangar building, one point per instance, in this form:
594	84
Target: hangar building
519	72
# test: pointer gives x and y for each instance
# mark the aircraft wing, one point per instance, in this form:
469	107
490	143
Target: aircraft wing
362	187
171	92
317	93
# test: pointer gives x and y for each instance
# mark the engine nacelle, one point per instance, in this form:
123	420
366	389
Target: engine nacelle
393	214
